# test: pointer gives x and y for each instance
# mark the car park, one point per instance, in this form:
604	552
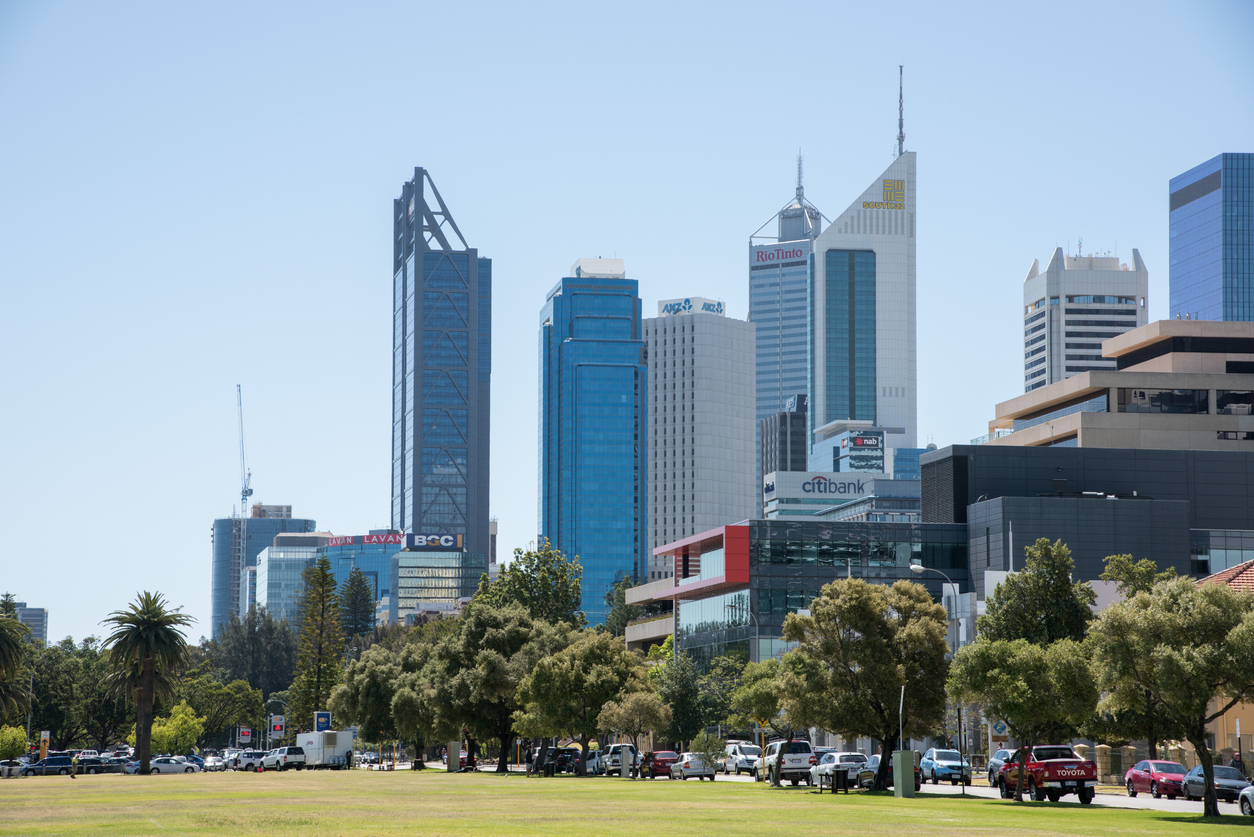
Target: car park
833	761
50	766
1229	782
866	776
1157	778
284	758
940	764
689	765
795	759
658	763
742	757
994	765
172	764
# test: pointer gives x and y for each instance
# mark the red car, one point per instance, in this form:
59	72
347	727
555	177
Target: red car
659	763
1157	778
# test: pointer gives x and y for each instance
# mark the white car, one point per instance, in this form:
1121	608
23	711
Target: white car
284	758
691	764
214	764
1246	800
615	755
851	763
796	763
173	764
594	767
741	757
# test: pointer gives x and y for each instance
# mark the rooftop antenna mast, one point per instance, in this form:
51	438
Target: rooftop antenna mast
245	482
901	110
800	191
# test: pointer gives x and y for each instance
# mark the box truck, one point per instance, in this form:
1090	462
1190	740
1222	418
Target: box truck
328	748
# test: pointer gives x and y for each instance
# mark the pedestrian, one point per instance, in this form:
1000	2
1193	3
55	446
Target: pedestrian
528	758
1237	762
74	766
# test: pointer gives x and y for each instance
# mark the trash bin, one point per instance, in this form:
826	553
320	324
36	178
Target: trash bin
840	781
549	768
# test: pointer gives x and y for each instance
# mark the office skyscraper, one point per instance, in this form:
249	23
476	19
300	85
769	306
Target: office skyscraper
862	319
594	380
35	618
231	555
1073	306
701	427
1211	269
441	371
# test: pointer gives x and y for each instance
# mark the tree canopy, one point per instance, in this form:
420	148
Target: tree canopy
357	606
321	646
1041	603
258	648
617	612
634	715
543	581
678	684
1134	576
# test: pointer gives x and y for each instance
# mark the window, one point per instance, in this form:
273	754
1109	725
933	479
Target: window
1229	402
1182	401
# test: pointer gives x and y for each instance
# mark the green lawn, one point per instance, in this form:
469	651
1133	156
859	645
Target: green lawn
436	803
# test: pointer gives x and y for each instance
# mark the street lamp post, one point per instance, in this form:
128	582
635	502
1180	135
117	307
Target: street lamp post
962	762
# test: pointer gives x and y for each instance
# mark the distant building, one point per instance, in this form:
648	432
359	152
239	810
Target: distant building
35	618
279	568
493	568
1073	306
701	439
1212	240
433	575
784	436
594	397
231	555
371	553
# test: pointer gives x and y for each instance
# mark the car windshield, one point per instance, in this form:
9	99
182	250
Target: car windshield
750	751
852	759
799	747
1167	767
947	755
1047	753
1228	773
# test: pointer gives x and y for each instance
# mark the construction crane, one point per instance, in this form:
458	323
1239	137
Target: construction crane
245	483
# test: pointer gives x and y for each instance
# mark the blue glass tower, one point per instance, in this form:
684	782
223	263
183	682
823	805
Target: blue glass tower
441	371
231	555
593	432
1212	240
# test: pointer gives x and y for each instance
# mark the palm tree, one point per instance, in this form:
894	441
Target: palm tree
145	649
14	644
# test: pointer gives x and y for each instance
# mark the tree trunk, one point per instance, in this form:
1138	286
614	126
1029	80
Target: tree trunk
502	764
583	756
887	746
777	773
1210	804
542	757
143	714
1153	733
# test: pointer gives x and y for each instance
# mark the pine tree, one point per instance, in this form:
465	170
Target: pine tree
321	645
357	606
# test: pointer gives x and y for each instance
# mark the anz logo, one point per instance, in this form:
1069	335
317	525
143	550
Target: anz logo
677	307
710	307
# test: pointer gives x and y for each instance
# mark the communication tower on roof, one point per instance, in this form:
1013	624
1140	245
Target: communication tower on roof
901	110
797	219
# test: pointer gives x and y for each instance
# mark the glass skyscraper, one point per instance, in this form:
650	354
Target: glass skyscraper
593	431
441	371
231	556
1212	240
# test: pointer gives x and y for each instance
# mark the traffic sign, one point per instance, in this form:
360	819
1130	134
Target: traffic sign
276	725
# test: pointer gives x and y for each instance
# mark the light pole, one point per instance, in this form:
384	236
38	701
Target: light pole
962	762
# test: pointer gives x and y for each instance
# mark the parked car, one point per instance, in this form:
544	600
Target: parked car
194	759
172	764
797	758
1228	783
833	761
248	760
214	764
994	766
866	776
284	758
50	766
940	764
1246	799
741	757
1050	771
94	765
658	763
689	765
594	767
616	755
1157	778
11	767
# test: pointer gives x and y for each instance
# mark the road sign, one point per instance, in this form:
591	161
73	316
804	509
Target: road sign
322	721
245	735
999	727
276	725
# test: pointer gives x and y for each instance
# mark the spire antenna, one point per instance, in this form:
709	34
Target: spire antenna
800	191
901	110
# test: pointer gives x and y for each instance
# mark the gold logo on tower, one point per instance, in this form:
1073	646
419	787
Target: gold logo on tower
894	196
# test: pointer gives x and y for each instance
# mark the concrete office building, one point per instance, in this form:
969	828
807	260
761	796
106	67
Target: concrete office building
594	398
701	421
441	370
1212	240
237	541
862	352
279	568
1073	306
783	438
1172	385
35	618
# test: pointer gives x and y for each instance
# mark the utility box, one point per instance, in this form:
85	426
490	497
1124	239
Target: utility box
903	774
327	748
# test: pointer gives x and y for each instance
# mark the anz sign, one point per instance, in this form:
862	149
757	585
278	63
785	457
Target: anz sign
689	305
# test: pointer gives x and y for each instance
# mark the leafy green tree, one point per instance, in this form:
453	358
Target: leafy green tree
15	645
710	748
618	612
543	581
722	678
760	700
636	714
413	705
566	691
220	706
662	652
1035	689
321	645
364	697
176	733
146	644
12	742
55	704
678	684
258	648
858	647
357	606
1187	645
102	714
1134	576
1040	604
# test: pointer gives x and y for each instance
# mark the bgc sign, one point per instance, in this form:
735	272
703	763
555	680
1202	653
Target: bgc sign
435	541
420	541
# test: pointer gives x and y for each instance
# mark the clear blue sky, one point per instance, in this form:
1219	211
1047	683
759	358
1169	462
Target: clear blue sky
199	195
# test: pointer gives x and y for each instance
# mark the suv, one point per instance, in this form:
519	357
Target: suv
284	758
741	756
797	760
49	766
615	755
248	760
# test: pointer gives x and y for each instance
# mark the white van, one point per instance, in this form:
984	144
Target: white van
742	757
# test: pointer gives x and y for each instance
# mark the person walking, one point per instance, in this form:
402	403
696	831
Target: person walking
1237	762
527	759
74	766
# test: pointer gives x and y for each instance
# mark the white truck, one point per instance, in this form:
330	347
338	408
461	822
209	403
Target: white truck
327	749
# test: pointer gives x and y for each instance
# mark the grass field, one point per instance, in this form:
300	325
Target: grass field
313	804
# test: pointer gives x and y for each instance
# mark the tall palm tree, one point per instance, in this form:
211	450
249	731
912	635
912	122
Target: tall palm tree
14	644
145	648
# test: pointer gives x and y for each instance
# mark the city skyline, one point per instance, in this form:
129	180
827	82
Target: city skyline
194	212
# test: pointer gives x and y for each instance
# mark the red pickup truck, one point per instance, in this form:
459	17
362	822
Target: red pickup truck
1049	772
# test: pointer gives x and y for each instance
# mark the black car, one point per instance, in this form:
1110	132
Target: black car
1228	783
92	764
50	766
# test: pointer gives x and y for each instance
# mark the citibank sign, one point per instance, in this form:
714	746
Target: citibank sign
824	485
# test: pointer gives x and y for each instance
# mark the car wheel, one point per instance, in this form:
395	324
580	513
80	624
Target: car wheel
91	771
153	770
1154	791
1053	796
1187	796
711	777
1131	790
64	771
953	782
1246	809
683	776
189	770
794	783
935	779
1172	797
1034	793
1086	796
